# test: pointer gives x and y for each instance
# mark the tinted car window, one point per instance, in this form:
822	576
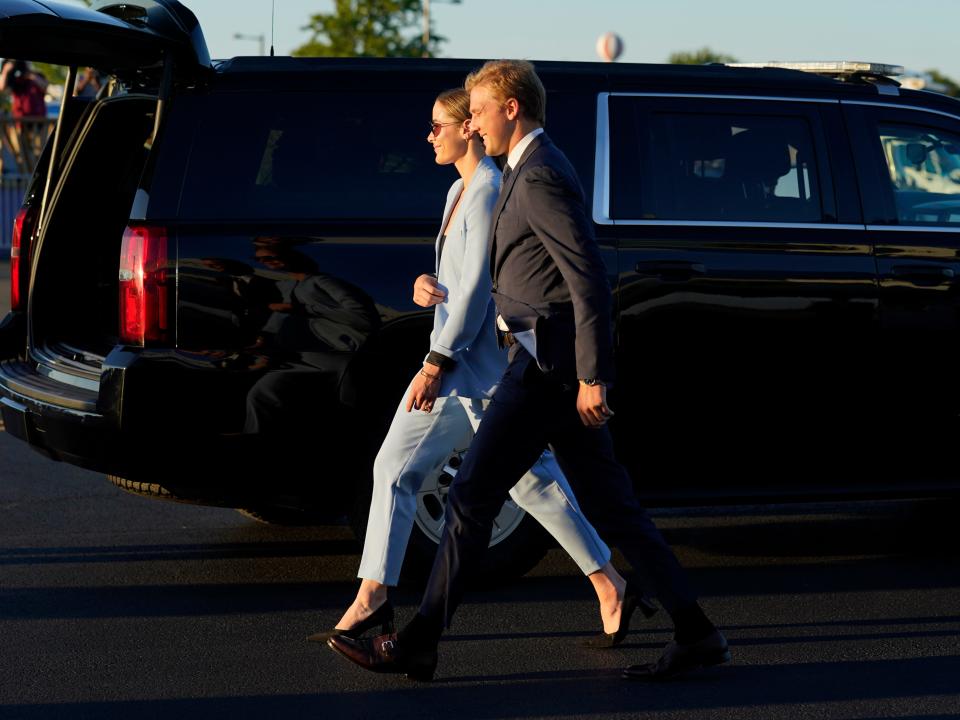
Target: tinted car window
713	167
924	170
301	156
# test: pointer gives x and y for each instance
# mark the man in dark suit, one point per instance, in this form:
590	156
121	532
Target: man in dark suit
554	306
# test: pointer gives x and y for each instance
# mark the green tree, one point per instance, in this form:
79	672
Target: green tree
953	89
700	57
55	74
369	28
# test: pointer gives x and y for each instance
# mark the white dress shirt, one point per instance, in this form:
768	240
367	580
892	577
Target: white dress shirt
514	157
526	338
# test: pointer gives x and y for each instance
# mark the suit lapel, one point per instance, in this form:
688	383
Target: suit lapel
505	191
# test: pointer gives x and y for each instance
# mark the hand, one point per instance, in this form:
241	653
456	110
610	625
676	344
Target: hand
427	292
592	405
424	390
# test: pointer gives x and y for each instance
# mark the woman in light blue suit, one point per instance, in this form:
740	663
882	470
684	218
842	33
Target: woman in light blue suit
457	379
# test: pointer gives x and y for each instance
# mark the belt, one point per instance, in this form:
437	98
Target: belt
506	337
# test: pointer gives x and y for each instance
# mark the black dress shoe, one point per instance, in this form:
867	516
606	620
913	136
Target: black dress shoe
382	616
630	603
677	658
384	654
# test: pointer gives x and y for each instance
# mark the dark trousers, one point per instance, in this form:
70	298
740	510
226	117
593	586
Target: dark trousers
530	411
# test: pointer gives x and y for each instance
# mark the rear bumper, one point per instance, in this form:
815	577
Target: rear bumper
145	422
58	420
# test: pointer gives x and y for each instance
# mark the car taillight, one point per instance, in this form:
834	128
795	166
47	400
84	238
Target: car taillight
143	285
20	248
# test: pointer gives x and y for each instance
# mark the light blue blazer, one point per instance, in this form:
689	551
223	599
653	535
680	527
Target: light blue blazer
464	323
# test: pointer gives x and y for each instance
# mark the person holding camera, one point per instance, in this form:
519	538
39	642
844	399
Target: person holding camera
26	87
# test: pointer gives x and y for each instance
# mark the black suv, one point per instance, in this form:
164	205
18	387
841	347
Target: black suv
213	268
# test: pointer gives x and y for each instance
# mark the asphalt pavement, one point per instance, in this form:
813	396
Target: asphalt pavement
116	606
112	605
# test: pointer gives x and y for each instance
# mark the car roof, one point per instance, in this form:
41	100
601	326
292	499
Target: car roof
295	73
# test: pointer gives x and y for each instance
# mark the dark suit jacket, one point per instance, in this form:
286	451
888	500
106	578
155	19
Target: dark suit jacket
548	275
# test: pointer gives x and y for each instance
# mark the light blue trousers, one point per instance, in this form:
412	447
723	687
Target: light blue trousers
419	443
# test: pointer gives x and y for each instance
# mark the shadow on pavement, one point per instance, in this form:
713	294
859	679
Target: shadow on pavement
568	693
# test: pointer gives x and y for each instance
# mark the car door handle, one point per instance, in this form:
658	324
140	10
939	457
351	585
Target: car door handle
671	269
923	274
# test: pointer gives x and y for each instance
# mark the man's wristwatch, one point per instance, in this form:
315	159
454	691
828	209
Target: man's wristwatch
592	381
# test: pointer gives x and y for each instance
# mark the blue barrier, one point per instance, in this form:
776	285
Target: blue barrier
11	197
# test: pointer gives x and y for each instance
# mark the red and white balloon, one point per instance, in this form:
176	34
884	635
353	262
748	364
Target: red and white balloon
609	46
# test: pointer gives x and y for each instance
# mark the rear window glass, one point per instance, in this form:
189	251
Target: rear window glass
305	156
740	167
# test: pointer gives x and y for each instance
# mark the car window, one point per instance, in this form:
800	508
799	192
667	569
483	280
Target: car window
306	156
924	170
725	167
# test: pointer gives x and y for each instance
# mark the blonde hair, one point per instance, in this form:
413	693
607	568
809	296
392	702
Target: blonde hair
456	101
513	79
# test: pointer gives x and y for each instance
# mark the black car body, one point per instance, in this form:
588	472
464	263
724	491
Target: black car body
215	276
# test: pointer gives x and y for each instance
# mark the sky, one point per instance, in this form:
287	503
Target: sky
919	35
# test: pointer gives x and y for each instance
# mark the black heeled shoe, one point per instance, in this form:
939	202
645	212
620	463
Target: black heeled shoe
630	603
382	616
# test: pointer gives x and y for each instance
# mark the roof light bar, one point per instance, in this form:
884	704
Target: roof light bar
833	67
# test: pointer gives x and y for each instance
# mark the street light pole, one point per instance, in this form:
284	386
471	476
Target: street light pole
426	28
259	38
426	24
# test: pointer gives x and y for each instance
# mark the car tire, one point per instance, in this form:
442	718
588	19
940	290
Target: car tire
189	494
518	542
145	489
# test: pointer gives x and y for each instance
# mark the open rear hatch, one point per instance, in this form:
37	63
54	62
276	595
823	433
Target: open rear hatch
118	38
72	284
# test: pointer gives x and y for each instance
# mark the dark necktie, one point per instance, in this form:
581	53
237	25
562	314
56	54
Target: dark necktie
506	175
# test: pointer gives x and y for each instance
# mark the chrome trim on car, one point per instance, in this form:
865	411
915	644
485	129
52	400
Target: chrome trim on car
601	180
68	378
914	228
601	168
21	383
718	96
74	372
13	404
733	223
898	106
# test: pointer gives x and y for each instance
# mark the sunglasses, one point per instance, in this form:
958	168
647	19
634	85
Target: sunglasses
435	126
